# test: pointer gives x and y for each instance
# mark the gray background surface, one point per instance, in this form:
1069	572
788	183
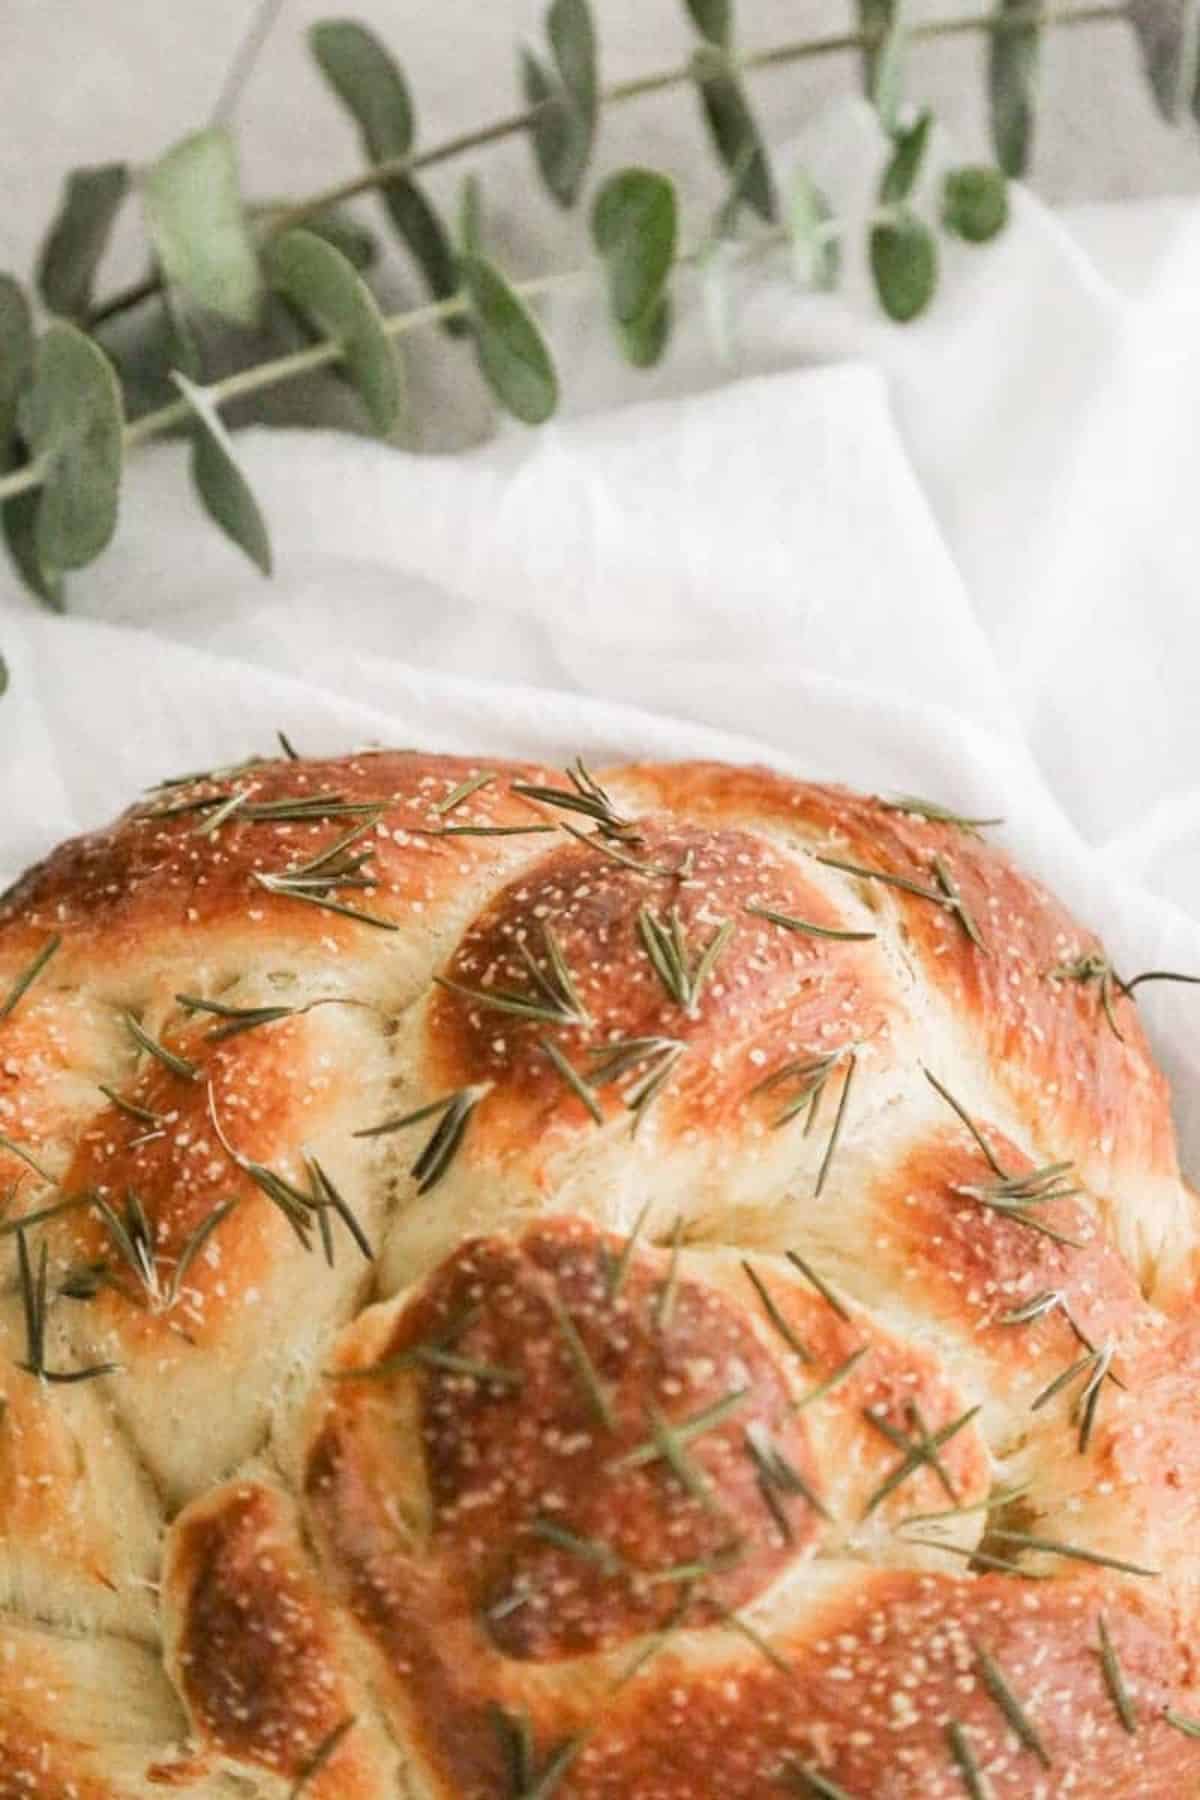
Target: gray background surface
93	80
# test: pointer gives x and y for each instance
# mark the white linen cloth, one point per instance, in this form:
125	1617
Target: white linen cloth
956	559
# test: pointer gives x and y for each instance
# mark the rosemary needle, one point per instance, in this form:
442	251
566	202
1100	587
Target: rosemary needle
28	976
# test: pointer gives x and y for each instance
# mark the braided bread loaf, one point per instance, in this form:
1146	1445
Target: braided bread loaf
667	1285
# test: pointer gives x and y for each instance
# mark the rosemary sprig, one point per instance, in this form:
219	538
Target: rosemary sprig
34	1306
945	894
618	1267
935	814
552	1776
1095	1364
28	976
734	1621
142	1114
684	1433
433	1356
193	1246
586	1372
132	1236
1002	1692
207	776
682	971
220	812
1094	967
574	1080
1189	1727
1010	1195
11	1146
586	797
997	1497
822	1286
326	1199
587	1549
445	831
806	1780
232	1021
836	1133
610	849
328	873
788	922
813	1074
777	1475
955	901
322	1756
1114	1680
657	1056
9	1227
178	1065
795	1344
464	791
554	1000
290	752
983	1559
974	1780
920	1451
842	1373
516	1742
1055	1547
456	1111
296	1206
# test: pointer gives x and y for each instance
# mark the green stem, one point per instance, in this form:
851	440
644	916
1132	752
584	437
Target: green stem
398	167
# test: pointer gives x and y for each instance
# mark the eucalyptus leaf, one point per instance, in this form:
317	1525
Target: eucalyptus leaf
418	223
635	229
340	228
73	423
78	237
512	353
18	521
325	286
645	338
900	176
370	84
975	202
17	515
874	19
816	245
199	226
733	128
16	355
888	72
904	265
564	129
223	489
1014	56
1168	34
713	19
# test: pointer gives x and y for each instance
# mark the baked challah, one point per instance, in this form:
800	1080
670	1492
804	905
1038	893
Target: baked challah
673	1282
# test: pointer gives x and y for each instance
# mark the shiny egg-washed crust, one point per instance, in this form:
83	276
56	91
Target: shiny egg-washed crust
544	1285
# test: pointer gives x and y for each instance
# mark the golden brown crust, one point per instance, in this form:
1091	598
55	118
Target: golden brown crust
510	1432
1046	1040
257	1657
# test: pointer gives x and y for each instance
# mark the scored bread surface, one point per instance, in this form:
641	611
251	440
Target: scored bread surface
671	1282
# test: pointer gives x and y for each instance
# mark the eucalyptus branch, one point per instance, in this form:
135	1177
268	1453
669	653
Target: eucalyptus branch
280	369
400	168
64	424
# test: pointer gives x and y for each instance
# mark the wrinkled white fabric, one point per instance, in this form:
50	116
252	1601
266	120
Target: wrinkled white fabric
956	559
